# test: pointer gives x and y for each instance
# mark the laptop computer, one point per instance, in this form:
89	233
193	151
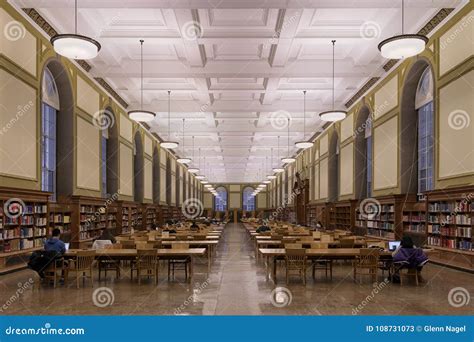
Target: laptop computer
66	245
393	245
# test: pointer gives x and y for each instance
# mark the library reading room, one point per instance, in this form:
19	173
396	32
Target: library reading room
236	158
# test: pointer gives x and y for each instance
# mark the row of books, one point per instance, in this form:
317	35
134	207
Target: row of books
418	217
415	227
454	207
450	219
450	231
60	218
449	243
16	245
381	233
26	232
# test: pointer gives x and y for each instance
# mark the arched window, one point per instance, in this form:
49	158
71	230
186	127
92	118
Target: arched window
220	201
425	110
49	109
248	201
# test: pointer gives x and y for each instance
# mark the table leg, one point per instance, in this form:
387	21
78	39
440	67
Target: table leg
256	251
209	260
274	269
267	267
191	269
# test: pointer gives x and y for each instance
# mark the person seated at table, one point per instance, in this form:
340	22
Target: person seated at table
407	255
263	228
54	243
194	226
107	235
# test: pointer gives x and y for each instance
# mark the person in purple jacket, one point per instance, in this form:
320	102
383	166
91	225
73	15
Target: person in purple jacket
407	255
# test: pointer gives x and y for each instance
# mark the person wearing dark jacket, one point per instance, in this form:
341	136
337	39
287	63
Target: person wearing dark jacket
107	235
407	255
54	243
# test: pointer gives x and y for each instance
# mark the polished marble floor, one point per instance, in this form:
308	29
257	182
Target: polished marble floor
237	286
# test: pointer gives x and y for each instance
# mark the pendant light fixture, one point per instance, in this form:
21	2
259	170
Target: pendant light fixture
141	115
183	160
271	162
288	159
73	45
193	169
304	144
199	161
169	144
278	169
333	115
403	45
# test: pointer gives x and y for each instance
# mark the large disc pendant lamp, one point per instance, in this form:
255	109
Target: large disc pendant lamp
304	144
403	45
183	159
193	169
288	159
73	45
278	169
141	115
169	144
333	115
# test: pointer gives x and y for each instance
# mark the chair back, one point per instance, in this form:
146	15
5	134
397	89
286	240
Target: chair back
182	237
180	246
293	246
319	245
346	243
200	237
84	260
295	258
141	238
326	238
128	244
101	244
144	244
306	239
368	257
121	238
146	258
114	246
317	235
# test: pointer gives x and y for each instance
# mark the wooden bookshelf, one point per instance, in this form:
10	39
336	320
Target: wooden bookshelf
150	216
316	213
60	217
23	226
342	215
414	221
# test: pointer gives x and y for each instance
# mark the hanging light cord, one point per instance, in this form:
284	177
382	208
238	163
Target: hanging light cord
333	43
169	115
403	15
304	114
183	138
141	72
75	16
278	151
288	137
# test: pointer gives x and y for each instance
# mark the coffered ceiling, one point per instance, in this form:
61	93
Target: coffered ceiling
237	69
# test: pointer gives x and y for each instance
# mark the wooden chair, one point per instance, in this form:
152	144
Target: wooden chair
145	244
182	237
321	263
81	265
326	238
141	238
179	263
110	264
346	243
51	272
128	244
316	235
295	260
293	245
146	264
367	263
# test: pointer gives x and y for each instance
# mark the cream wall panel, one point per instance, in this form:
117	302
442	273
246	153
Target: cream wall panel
347	170
323	178
173	189
163	184
148	145
148	174
456	127
316	183
163	156
173	164
386	98
456	45
17	43
126	128
347	127
234	200
207	201
88	99
262	200
88	155
386	154
18	136
234	187
126	170
323	144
